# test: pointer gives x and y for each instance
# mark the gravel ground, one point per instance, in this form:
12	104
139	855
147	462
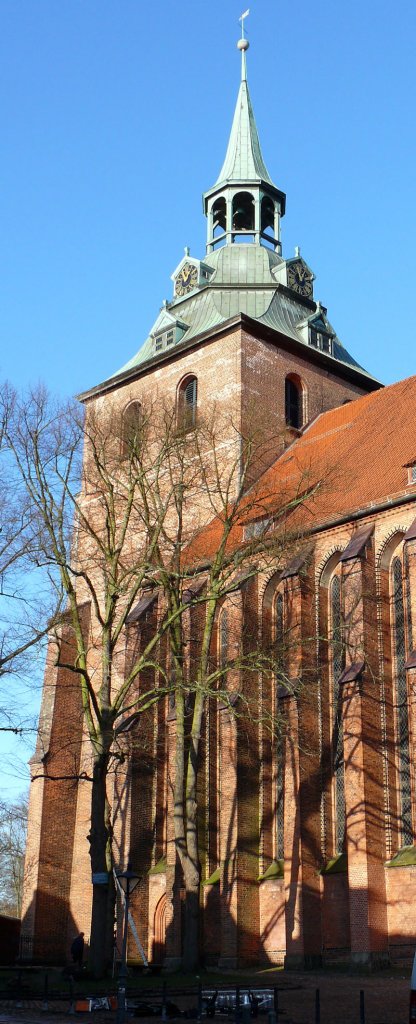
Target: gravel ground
386	1001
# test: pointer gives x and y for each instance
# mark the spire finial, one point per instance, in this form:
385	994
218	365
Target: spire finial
243	45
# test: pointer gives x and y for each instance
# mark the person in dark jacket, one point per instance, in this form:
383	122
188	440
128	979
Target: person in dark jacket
77	949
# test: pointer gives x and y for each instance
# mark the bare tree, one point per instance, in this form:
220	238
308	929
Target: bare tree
201	570
27	604
132	519
13	826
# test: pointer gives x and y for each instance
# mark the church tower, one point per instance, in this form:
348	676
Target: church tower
242	333
243	328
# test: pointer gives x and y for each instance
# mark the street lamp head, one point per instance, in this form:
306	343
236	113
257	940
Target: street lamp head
128	880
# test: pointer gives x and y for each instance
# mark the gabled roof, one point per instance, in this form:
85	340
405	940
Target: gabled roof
348	462
356	453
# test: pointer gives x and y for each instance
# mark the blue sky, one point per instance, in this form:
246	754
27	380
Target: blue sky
115	116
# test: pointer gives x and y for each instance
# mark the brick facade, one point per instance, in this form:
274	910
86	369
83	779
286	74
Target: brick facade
319	903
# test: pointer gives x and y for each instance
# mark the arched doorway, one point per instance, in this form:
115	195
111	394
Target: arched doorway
159	931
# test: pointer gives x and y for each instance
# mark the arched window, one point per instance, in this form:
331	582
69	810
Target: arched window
398	636
219	217
336	662
293	402
131	427
279	640
267	216
243	212
223	643
187	403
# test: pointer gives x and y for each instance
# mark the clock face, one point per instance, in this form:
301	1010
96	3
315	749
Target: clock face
187	279
300	279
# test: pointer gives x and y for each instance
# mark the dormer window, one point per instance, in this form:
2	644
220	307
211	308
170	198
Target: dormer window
411	472
321	340
165	334
164	340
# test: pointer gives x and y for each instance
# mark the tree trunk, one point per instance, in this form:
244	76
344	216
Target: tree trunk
103	899
191	864
190	958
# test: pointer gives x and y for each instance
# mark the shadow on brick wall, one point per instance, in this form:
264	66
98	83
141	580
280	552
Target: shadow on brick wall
49	942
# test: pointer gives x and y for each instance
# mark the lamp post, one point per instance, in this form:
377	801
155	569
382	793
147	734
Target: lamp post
128	880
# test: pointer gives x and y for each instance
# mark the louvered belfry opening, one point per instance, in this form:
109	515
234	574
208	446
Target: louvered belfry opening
187	404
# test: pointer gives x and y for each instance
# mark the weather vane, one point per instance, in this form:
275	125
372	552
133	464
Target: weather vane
242	19
243	45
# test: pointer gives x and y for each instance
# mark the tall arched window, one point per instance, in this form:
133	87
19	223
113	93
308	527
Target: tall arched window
223	644
131	427
293	402
336	662
398	635
187	403
279	639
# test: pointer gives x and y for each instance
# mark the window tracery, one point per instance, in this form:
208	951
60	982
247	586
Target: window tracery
131	426
400	611
337	661
279	639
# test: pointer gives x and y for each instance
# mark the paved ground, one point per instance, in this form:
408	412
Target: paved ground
386	1001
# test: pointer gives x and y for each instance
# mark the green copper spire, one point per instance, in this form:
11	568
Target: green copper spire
243	159
244	205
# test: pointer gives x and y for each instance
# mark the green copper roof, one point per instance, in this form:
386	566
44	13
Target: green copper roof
243	159
248	279
243	281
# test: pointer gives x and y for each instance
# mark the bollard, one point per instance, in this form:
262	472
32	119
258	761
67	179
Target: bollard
245	1010
164	1009
121	1003
45	1005
199	1010
276	1002
237	1005
71	995
317	1006
19	988
362	1007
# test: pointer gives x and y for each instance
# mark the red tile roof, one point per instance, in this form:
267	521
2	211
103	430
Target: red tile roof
351	458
